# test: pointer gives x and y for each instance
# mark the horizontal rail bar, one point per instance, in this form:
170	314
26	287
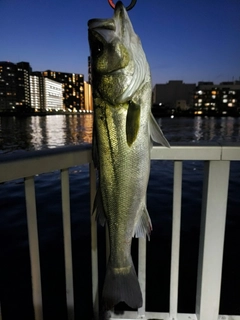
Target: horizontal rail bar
31	163
187	152
133	315
16	166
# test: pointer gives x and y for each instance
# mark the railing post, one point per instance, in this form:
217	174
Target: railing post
142	255
215	193
94	249
176	225
33	246
67	242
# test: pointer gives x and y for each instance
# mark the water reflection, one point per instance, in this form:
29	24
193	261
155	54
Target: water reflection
201	129
35	133
198	128
79	128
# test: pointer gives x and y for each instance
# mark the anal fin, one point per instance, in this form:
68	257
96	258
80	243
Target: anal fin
143	226
98	207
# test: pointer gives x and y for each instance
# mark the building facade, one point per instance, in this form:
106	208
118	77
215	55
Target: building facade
15	86
88	101
7	86
53	95
24	90
23	97
73	88
223	98
37	91
174	94
46	94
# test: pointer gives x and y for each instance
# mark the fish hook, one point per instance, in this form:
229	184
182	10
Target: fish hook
132	4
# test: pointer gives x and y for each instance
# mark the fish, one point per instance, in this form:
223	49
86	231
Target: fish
123	133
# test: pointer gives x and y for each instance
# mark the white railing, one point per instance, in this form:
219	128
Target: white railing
216	178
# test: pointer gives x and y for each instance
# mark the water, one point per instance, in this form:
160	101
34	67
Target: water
35	133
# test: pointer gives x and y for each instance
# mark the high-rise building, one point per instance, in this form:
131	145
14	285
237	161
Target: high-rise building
89	70
53	95
23	97
223	98
88	97
73	88
37	91
15	86
7	86
46	94
174	94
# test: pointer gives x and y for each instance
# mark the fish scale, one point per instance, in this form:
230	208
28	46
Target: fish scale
123	130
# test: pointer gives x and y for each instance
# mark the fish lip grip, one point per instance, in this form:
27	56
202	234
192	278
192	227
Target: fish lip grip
132	4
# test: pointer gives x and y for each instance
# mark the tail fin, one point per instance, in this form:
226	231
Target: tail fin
121	286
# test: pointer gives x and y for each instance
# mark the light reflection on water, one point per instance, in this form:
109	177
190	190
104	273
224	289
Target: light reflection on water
225	129
35	133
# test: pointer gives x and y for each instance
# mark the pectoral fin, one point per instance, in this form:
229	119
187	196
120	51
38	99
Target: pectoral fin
133	122
156	133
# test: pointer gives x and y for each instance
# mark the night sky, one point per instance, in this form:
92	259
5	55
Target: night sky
189	40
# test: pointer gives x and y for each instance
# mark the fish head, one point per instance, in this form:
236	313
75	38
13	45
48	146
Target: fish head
118	62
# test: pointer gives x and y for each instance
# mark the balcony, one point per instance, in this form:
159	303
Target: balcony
216	160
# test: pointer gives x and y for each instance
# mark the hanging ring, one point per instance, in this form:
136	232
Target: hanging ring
132	4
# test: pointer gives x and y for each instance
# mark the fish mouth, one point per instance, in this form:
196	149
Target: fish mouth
104	31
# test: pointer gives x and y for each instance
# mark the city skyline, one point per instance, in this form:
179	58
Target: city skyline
183	41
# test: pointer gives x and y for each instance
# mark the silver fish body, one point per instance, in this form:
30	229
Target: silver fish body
123	132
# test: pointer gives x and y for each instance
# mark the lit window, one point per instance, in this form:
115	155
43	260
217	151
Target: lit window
225	101
213	96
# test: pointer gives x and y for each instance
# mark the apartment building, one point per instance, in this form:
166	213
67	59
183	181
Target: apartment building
14	86
73	88
223	97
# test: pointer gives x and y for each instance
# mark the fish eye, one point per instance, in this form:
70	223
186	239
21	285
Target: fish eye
97	48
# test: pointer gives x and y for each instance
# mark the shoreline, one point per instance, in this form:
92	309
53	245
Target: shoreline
41	113
157	113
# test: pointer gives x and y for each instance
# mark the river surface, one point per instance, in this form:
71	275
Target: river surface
36	133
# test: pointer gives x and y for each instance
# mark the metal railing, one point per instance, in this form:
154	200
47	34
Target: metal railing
217	160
